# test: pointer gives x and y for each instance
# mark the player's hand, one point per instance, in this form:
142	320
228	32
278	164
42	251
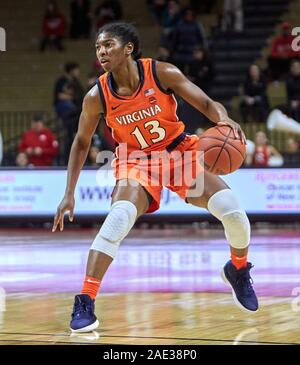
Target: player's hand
66	205
237	130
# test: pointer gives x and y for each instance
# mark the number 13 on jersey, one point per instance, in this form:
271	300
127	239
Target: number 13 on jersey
155	128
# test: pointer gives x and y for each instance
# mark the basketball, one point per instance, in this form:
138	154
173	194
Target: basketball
223	153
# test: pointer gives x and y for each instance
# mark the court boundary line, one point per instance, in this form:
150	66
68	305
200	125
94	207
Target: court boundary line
144	337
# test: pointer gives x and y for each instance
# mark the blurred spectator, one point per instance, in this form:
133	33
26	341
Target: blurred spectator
170	16
54	26
282	53
22	160
97	141
291	145
200	71
157	8
97	145
39	143
76	86
68	97
80	19
95	148
293	90
264	154
292	153
185	38
108	11
92	156
233	18
68	91
254	100
163	53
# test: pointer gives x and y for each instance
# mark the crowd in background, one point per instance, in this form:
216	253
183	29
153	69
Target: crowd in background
184	43
84	21
284	66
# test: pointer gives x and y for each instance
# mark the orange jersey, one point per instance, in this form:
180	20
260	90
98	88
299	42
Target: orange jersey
147	120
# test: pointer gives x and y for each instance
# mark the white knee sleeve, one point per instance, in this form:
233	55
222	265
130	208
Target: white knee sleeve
115	228
224	206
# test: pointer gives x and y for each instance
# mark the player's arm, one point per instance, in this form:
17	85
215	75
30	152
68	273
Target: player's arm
88	121
172	78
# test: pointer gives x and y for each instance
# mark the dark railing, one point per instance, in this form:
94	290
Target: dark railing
14	124
275	138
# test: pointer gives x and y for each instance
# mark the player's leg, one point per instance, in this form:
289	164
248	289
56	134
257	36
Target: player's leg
222	203
128	203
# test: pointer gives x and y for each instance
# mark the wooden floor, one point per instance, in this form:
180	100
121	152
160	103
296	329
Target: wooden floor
151	318
39	279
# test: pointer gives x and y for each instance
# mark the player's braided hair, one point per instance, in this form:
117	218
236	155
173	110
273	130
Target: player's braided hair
126	32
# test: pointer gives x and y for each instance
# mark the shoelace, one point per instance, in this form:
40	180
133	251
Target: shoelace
245	281
80	308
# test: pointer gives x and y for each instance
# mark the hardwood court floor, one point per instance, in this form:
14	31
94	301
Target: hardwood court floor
151	318
160	290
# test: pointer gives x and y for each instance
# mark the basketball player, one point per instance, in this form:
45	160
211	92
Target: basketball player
136	97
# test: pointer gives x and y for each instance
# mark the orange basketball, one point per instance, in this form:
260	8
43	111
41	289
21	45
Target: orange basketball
223	153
